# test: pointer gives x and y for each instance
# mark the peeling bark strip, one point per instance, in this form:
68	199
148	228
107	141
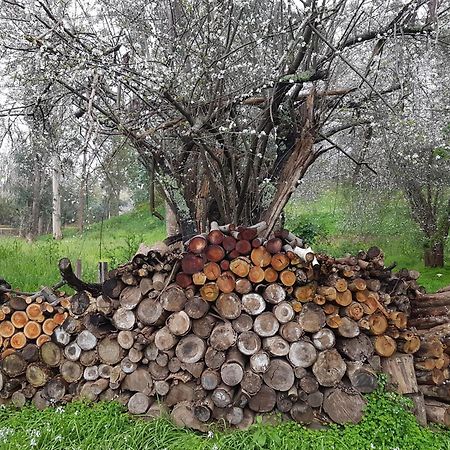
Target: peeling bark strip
223	342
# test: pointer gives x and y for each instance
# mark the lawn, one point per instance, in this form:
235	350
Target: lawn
387	425
27	266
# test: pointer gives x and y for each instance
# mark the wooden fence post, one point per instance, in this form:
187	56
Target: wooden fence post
78	269
102	271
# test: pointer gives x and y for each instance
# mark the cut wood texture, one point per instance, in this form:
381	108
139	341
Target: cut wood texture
230	325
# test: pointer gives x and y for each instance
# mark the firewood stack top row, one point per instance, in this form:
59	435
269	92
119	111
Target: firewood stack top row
225	327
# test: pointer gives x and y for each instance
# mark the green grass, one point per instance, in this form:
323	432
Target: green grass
387	425
339	224
29	265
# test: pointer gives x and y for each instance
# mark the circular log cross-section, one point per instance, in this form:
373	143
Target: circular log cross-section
248	343
291	331
231	373
164	339
71	371
343	407
14	365
276	346
179	323
149	311
324	339
253	304
130	297
210	291
109	351
191	264
359	348
86	340
204	326
173	298
283	312
124	319
329	368
264	400
37	374
251	382
274	293
211	272
214	358
243	286
243	323
197	244
259	362
222	337
312	318
138	403
348	328
226	283
210	379
229	306
261	257
125	339
190	349
279	375
240	266
302	354
266	324
196	307
384	345
214	253
50	354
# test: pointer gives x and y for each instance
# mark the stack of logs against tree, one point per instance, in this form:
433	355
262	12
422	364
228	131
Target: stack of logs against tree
230	325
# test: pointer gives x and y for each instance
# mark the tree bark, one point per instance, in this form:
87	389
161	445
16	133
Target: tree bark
434	254
56	205
82	195
35	206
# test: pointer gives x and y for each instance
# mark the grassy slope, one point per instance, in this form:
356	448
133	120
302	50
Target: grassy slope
28	266
386	224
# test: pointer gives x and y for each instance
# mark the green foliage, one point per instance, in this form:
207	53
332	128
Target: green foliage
8	212
310	232
27	266
347	224
387	425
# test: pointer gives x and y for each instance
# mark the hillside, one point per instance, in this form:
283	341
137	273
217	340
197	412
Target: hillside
28	266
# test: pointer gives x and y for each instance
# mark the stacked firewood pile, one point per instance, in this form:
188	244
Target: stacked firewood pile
226	327
27	326
24	321
430	316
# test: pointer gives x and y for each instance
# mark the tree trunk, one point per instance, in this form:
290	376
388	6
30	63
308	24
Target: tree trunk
296	166
35	207
171	221
82	195
56	206
434	254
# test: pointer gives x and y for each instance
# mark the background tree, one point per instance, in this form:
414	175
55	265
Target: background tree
226	103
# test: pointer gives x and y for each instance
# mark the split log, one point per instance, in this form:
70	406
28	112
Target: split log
437	412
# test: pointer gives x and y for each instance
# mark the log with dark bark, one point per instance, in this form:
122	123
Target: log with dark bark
68	275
